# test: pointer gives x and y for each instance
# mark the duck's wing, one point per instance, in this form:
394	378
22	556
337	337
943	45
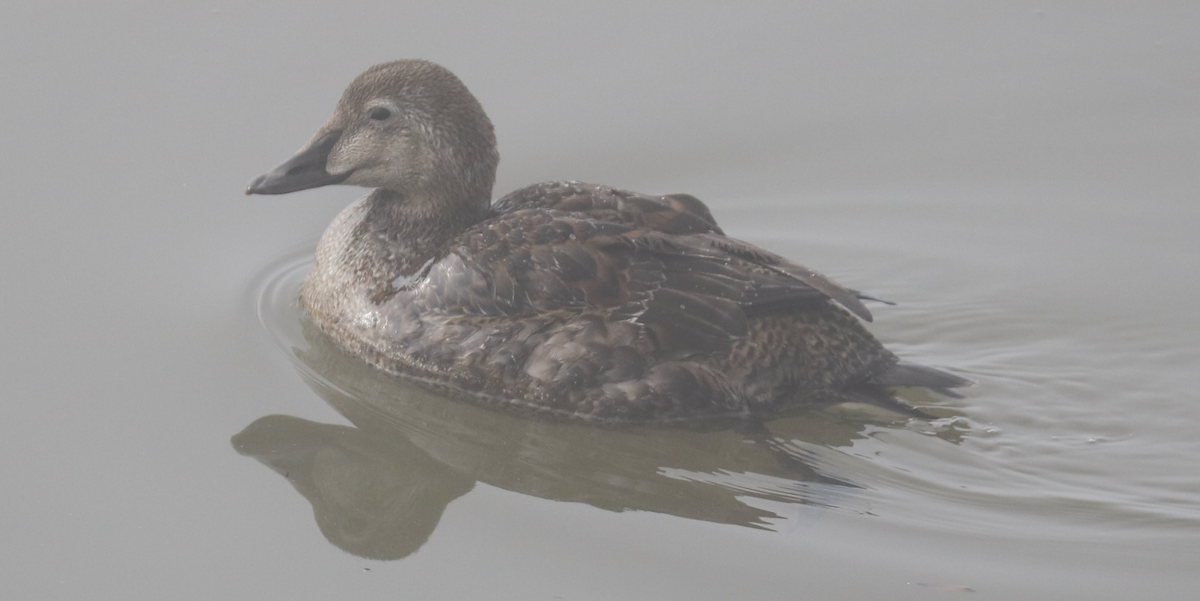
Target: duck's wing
535	261
666	219
776	274
660	262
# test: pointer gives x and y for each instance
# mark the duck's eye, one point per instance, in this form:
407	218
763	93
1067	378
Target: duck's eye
379	113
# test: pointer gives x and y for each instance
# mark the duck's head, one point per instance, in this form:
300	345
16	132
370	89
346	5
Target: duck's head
407	126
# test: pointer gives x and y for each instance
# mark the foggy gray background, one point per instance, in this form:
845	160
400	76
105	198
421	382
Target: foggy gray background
1020	177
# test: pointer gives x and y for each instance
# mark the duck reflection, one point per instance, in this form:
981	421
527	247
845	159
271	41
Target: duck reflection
379	489
374	496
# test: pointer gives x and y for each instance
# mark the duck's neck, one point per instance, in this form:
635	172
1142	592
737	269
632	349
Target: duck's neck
381	237
398	235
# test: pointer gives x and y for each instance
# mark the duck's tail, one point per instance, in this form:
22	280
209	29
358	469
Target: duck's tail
904	373
875	391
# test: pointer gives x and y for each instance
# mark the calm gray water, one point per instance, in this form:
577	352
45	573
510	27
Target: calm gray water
1021	179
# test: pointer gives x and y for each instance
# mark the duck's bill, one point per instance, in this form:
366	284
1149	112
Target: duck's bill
306	169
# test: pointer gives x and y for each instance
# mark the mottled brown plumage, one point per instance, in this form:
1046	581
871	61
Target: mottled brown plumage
572	299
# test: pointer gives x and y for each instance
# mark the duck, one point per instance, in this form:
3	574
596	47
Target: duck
562	298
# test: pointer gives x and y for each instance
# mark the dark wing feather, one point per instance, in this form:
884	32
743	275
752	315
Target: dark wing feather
660	261
534	261
720	247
